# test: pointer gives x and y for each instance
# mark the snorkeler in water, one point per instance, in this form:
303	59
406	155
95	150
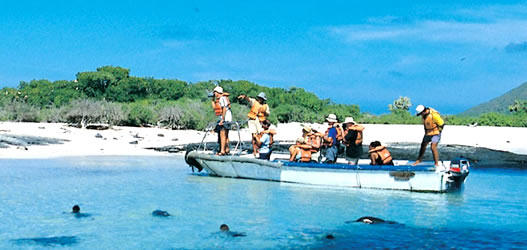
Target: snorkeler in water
226	230
160	213
76	211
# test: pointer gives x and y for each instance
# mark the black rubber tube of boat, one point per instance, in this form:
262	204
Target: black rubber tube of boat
192	162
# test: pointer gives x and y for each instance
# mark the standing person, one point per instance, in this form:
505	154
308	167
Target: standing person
264	141
433	127
353	140
222	109
258	113
332	138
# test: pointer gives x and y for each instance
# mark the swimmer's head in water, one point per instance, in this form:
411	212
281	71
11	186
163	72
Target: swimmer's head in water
75	209
224	227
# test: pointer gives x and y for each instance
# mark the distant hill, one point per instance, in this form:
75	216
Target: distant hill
499	104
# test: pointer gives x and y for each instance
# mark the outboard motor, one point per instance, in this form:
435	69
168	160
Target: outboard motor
458	171
459	167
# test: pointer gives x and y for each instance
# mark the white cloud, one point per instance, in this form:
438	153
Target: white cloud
495	29
499	33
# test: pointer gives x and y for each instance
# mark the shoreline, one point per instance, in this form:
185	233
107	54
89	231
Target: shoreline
134	141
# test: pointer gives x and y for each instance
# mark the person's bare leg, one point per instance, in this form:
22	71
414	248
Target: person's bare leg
227	142
435	153
421	153
292	153
255	147
222	140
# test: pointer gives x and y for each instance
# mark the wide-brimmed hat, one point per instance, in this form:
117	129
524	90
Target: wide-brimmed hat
306	128
419	109
262	95
349	120
332	118
218	89
300	140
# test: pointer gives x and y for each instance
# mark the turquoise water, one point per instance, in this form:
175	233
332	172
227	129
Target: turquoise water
120	193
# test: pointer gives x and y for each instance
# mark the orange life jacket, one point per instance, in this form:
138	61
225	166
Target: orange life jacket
431	128
305	155
258	110
314	142
217	107
382	152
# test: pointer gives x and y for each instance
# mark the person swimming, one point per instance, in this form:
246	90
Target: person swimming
76	211
224	228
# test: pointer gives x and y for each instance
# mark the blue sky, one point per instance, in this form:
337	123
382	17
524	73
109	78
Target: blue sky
450	55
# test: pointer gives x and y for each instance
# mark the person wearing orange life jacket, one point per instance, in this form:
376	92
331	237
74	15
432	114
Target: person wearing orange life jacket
300	151
222	109
434	125
353	140
314	139
258	113
379	155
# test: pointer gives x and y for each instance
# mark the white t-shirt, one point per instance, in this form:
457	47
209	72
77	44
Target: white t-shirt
225	103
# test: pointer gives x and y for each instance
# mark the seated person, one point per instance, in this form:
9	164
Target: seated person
314	139
379	155
264	140
300	151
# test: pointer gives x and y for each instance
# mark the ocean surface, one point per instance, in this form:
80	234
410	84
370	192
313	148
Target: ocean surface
118	194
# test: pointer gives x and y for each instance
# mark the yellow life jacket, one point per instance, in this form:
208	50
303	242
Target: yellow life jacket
431	128
383	153
258	110
217	107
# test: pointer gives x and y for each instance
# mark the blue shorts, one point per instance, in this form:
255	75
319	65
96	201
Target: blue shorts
432	138
331	153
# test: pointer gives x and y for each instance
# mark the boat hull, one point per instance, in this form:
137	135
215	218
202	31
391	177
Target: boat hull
423	178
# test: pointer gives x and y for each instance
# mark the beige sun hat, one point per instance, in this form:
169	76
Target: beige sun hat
306	128
332	118
218	89
300	140
349	120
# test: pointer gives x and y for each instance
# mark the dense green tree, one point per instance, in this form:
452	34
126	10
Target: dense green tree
94	84
128	90
519	106
117	72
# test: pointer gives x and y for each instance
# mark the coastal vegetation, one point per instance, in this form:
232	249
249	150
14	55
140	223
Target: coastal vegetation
112	96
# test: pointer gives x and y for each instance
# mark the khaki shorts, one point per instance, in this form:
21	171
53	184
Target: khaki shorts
254	126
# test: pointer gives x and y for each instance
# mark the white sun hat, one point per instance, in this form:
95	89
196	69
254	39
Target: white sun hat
349	120
419	109
332	118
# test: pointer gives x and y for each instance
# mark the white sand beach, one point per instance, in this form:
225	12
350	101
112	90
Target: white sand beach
132	141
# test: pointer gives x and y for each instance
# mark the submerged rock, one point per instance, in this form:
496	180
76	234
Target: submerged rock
48	241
